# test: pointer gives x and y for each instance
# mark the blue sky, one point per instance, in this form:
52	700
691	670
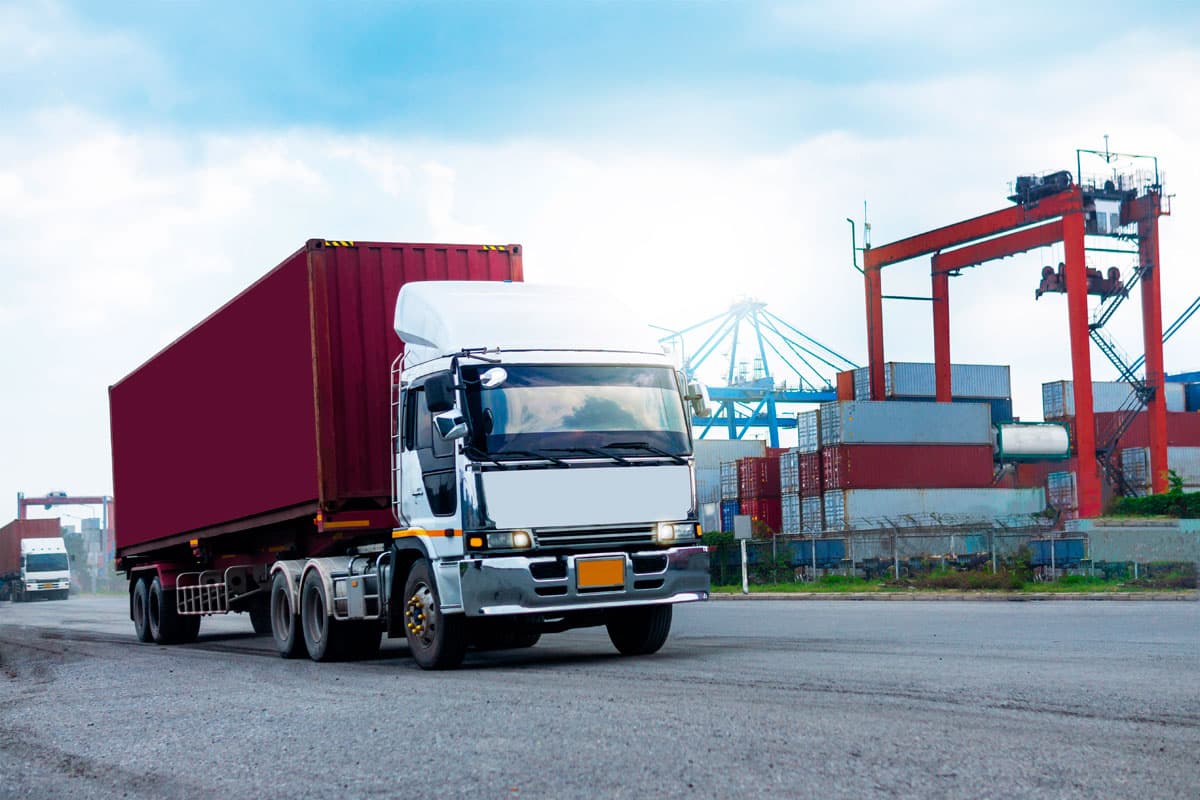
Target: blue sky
157	157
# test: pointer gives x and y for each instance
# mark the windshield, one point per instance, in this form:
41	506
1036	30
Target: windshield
564	409
45	562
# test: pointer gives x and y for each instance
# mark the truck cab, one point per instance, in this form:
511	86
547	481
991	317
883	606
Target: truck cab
543	470
45	570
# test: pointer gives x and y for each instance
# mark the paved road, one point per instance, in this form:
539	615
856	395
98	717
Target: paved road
748	699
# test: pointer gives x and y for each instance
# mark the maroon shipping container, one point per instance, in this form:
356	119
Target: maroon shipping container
812	481
767	510
1183	429
277	405
759	476
907	466
12	534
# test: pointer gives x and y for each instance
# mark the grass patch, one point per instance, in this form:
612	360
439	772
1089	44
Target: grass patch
974	581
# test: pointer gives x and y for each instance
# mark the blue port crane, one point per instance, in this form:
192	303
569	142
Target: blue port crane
749	397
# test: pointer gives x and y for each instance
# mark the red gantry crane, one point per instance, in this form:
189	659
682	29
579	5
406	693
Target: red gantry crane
1054	208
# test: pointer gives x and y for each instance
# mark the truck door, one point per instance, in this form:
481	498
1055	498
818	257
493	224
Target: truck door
428	473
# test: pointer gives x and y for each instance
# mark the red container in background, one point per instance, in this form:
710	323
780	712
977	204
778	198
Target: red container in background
1183	429
907	466
276	406
812	481
12	534
759	477
845	385
768	510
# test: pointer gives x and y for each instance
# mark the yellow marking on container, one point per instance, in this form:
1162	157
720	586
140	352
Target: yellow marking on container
348	523
279	548
338	243
193	542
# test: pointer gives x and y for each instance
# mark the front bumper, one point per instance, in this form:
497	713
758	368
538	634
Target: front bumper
507	584
33	587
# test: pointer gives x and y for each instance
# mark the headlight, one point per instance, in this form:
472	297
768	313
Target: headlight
509	540
669	532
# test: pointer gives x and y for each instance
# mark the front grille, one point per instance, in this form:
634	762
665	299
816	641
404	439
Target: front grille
604	537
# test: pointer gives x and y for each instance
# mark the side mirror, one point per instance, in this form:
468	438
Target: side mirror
439	393
697	396
450	425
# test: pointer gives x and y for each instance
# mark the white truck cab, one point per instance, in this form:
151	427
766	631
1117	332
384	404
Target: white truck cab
543	472
45	570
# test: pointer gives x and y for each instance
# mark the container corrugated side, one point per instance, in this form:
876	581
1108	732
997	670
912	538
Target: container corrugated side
901	508
728	473
812	514
758	477
1058	398
711	453
729	509
907	466
808	431
1191	396
766	510
811	475
898	422
919	379
792	516
708	485
279	399
1060	491
1135	465
789	472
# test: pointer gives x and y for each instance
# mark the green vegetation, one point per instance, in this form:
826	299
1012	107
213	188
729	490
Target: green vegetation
1175	503
1168	577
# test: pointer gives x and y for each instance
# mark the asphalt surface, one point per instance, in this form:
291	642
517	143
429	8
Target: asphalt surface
748	699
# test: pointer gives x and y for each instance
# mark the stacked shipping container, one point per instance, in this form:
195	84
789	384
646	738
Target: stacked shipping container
988	384
1185	461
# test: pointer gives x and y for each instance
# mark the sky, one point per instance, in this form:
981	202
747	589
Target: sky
156	158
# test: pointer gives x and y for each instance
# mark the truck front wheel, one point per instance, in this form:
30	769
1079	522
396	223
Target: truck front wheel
639	631
436	640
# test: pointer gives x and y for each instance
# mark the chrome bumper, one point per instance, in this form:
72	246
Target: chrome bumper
506	584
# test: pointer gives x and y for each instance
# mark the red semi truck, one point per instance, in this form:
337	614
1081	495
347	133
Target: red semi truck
338	453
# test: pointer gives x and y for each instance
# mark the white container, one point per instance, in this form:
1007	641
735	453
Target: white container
1135	465
1060	491
710	517
789	472
1058	398
900	422
710	453
909	508
708	485
919	379
791	514
808	431
1031	441
812	514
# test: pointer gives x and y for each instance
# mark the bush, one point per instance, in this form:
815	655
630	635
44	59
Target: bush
1175	503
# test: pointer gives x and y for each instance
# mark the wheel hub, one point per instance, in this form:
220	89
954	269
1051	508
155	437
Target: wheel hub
419	617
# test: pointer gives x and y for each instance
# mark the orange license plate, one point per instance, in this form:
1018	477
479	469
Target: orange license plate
599	573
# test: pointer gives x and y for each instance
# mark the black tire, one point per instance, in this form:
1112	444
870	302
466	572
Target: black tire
436	640
165	623
260	618
324	637
285	622
639	631
139	610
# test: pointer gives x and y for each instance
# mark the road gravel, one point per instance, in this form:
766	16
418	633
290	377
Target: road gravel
747	699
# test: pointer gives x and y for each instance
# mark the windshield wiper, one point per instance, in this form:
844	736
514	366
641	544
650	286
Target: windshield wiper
471	451
595	451
649	448
558	462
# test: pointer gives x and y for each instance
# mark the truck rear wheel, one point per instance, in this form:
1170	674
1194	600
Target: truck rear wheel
436	640
167	625
324	637
639	631
139	611
285	622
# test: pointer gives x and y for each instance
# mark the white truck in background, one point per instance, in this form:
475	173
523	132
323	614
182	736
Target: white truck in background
33	561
